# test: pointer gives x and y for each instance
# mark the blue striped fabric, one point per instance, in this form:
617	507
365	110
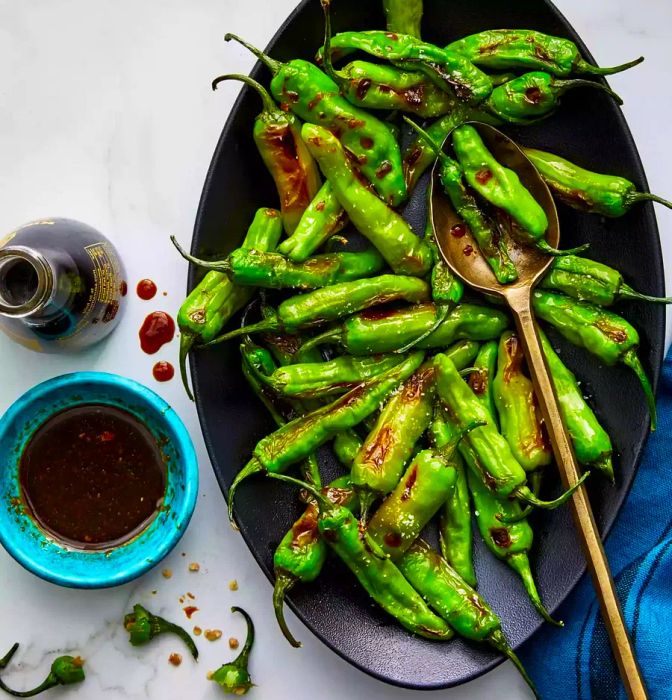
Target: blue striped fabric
575	663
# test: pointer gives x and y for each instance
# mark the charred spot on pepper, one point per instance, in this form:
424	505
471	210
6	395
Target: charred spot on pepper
337	495
410	483
292	95
392	539
413	155
514	353
484	176
197	316
478	381
384	168
533	95
305	531
501	537
618	335
363	86
315	101
376	452
330	535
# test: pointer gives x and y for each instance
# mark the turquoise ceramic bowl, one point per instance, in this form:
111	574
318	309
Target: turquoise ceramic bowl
49	559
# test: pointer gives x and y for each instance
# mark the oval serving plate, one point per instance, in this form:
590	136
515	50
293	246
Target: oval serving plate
588	128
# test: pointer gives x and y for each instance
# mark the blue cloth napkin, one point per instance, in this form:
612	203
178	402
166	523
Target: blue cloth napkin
575	663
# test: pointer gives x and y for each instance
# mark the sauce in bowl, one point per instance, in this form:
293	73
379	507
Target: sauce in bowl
92	476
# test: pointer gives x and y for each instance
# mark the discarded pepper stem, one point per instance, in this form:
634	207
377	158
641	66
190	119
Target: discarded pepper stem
65	670
272	64
143	626
234	677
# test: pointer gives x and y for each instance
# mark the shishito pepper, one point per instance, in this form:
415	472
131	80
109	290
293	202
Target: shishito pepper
142	626
316	379
456	601
608	195
449	70
323	218
455	536
490	243
589	280
256	268
508	541
301	437
234	677
301	554
481	379
334	302
403	16
215	299
385	228
65	670
346	445
421	491
605	334
592	445
510	49
519	415
314	97
533	96
277	135
498	469
377	574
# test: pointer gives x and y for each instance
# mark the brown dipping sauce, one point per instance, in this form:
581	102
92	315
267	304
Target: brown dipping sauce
92	476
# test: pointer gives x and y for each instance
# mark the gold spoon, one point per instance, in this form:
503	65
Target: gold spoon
462	255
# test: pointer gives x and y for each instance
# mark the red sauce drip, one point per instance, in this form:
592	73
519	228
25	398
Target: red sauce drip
190	610
157	329
484	176
146	289
468	250
123	288
163	371
458	230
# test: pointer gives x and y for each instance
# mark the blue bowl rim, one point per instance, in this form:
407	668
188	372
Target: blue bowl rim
189	464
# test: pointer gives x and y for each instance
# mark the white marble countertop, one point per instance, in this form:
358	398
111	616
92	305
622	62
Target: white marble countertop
108	117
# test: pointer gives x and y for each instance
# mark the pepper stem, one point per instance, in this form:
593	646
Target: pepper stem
545	247
631	360
163	626
582	66
627	292
272	64
633	197
284	582
449	448
438	152
327	65
48	683
524	494
254	466
520	563
8	656
442	311
219	265
322	500
242	659
563	85
187	340
270	324
366	500
497	640
332	335
267	100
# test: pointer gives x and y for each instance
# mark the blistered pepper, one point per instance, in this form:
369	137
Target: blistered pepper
314	97
608	195
508	49
603	333
256	268
480	380
300	437
277	135
215	299
519	414
533	96
385	228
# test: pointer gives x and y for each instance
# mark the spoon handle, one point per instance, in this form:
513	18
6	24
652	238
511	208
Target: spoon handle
520	303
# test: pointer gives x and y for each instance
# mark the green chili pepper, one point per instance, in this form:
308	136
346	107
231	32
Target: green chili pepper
603	333
277	135
215	298
323	218
519	415
498	468
509	542
301	437
449	70
481	379
234	677
591	442
336	301
255	268
65	670
455	536
314	97
510	49
608	195
301	554
456	601
346	446
535	95
381	579
142	626
380	463
422	490
316	379
385	228
403	16
386	330
490	243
